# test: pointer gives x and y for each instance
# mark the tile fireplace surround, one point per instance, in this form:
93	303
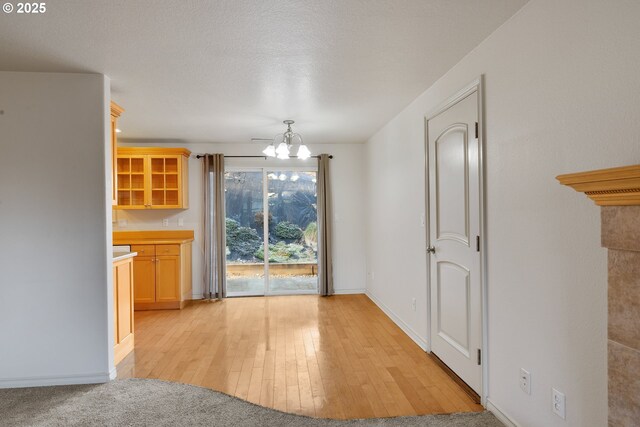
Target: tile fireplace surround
617	191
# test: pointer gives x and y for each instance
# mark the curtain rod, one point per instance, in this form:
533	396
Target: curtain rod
199	156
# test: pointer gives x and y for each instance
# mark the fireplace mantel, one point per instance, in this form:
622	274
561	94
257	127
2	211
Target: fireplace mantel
617	190
607	187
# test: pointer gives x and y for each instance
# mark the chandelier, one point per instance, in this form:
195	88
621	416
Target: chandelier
284	143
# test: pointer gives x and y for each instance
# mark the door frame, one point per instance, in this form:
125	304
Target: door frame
265	170
477	85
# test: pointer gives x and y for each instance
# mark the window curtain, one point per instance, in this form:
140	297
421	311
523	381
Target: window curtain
214	228
325	227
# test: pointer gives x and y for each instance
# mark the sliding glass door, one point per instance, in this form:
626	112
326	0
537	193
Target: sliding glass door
244	204
272	231
292	232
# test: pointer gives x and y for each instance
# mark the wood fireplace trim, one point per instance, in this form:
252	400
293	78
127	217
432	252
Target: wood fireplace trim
607	187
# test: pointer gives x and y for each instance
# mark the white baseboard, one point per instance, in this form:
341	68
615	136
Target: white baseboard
57	380
113	373
506	420
422	343
349	291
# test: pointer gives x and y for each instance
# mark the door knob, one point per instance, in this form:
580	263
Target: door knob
431	249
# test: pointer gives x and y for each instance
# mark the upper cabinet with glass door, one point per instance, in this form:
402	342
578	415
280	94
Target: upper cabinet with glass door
153	178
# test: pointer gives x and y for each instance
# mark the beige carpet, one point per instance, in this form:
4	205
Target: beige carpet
141	402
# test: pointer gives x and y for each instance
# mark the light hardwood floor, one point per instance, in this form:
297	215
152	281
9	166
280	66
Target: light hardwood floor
337	357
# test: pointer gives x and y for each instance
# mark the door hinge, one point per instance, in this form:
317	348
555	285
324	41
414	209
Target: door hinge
476	130
479	357
477	243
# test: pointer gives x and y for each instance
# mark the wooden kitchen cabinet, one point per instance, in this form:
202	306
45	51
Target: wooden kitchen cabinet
162	281
153	178
123	284
167	278
162	269
116	111
144	281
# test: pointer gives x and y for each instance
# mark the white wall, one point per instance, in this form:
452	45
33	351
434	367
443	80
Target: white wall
347	175
55	289
561	96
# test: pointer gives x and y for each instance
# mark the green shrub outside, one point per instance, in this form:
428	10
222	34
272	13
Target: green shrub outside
242	242
231	225
289	231
311	234
283	252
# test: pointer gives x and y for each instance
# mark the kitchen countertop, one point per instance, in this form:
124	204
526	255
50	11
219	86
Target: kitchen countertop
152	237
119	256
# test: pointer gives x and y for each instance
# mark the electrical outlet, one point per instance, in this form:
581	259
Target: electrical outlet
558	405
413	304
180	222
525	380
165	222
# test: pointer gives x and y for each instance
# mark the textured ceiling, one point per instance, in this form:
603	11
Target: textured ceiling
227	71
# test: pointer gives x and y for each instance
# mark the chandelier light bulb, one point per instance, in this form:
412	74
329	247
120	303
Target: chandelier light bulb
284	154
303	152
283	149
270	151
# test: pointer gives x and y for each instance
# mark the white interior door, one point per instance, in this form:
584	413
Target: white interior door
454	233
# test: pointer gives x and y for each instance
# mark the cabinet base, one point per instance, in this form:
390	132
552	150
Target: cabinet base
169	305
